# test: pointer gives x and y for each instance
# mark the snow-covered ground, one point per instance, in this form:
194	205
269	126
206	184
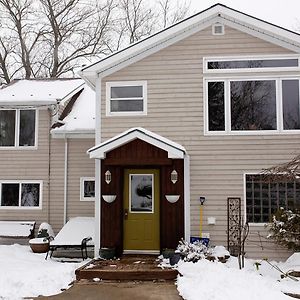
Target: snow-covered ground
218	281
27	274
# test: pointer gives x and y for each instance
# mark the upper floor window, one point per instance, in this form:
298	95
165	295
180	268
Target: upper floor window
20	194
274	63
252	105
264	198
18	127
126	98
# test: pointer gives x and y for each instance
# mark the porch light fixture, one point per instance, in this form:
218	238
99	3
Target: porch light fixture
107	177
174	176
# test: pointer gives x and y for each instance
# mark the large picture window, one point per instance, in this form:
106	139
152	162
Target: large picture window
18	128
252	105
20	194
264	198
126	98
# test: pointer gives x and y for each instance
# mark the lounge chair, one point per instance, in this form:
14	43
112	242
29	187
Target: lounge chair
77	233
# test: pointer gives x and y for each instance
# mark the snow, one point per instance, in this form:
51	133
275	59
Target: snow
16	229
82	116
38	91
39	241
75	230
218	281
27	274
48	228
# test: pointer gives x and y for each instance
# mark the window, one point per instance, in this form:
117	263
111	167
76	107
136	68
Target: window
252	64
264	198
24	194
252	105
126	98
87	189
18	128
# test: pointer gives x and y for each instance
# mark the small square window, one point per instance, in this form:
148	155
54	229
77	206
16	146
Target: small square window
87	189
218	29
126	98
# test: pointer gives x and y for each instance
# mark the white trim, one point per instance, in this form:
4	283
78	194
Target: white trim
174	151
187	198
17	130
78	134
164	38
213	29
82	198
153	194
279	112
111	84
208	59
97	206
20	182
65	182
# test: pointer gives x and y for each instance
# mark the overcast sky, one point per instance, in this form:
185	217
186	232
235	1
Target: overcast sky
285	13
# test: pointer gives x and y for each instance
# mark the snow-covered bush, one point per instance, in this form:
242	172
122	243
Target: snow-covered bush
192	251
285	229
45	230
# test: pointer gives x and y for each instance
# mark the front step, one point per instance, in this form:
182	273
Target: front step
127	268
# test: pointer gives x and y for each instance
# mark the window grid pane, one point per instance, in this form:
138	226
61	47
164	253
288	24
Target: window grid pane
7	127
27	128
264	198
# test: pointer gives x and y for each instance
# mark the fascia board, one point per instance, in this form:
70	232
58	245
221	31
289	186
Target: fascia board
101	151
26	102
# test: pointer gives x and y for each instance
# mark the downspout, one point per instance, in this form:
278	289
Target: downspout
65	180
187	198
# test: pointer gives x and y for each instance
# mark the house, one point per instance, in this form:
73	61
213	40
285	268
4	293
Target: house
43	176
193	112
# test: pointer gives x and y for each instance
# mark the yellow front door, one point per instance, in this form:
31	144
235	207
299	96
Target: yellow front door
141	210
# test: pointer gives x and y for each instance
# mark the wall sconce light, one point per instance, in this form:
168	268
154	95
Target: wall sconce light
174	176
107	177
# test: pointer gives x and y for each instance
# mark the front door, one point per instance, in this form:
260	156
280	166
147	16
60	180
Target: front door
141	211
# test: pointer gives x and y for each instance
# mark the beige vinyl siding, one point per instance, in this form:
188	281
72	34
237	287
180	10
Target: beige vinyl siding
174	78
79	165
29	165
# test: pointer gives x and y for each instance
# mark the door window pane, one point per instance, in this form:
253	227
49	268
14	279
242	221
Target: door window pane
253	105
30	194
141	193
10	194
27	128
216	108
7	127
290	104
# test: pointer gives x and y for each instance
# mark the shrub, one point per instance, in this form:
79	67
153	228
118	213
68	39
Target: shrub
285	229
192	251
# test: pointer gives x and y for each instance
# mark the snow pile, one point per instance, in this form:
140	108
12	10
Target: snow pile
219	281
16	229
27	274
46	228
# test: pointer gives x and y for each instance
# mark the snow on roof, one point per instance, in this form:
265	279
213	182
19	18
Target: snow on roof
137	133
81	119
75	230
38	91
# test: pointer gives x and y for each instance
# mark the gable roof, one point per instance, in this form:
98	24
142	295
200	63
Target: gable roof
164	38
39	91
174	150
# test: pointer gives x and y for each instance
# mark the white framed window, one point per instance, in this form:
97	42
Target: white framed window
87	189
24	194
253	63
264	197
245	105
18	128
126	98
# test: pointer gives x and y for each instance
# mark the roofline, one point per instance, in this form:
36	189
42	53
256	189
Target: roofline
27	102
86	71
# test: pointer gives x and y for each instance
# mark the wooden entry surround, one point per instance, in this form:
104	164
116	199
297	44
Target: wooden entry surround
139	154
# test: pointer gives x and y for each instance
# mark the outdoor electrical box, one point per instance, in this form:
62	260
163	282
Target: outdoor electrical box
202	200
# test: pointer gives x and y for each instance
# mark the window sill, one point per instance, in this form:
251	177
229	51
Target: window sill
19	208
19	148
252	132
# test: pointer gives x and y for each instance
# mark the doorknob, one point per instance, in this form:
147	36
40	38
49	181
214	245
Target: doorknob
125	214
